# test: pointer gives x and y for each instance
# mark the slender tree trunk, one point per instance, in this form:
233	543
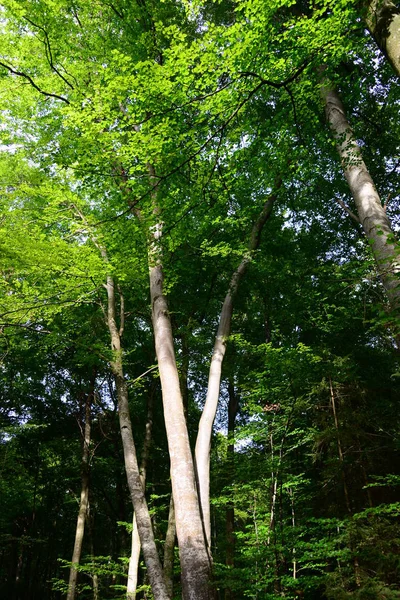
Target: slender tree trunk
371	213
339	445
169	548
145	529
94	575
143	519
294	562
135	547
345	488
203	442
233	408
133	563
274	489
383	21
84	500
183	375
193	552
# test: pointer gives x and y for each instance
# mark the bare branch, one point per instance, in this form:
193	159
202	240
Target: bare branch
349	212
386	203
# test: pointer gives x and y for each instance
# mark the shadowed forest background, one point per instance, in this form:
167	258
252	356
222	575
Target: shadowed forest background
200	300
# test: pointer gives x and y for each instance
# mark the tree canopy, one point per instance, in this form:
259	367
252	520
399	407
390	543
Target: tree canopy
245	155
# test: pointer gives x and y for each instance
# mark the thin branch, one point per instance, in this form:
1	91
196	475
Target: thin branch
48	51
349	212
122	312
386	203
278	84
33	84
290	93
142	375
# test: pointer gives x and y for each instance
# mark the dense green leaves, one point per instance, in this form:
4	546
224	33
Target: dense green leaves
222	98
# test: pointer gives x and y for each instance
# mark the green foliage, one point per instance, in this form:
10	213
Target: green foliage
222	98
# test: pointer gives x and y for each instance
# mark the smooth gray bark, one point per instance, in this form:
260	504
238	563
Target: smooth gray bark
84	500
195	563
383	21
133	563
145	529
370	212
193	552
203	442
233	408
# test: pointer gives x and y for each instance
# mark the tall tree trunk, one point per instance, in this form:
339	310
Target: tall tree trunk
194	558
84	499
371	213
145	529
135	547
383	21
169	548
143	519
345	487
94	576
233	408
203	442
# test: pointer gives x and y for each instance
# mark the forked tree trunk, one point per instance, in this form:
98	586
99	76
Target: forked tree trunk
371	213
203	442
383	21
84	499
135	546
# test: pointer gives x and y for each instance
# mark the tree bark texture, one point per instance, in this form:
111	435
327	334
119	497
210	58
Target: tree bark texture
145	530
371	213
84	499
195	563
383	21
203	442
193	552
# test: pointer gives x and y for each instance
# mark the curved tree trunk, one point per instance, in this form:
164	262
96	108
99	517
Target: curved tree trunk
133	563
84	500
203	442
383	21
370	211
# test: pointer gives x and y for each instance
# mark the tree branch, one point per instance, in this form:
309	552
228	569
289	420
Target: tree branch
349	212
33	84
48	51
